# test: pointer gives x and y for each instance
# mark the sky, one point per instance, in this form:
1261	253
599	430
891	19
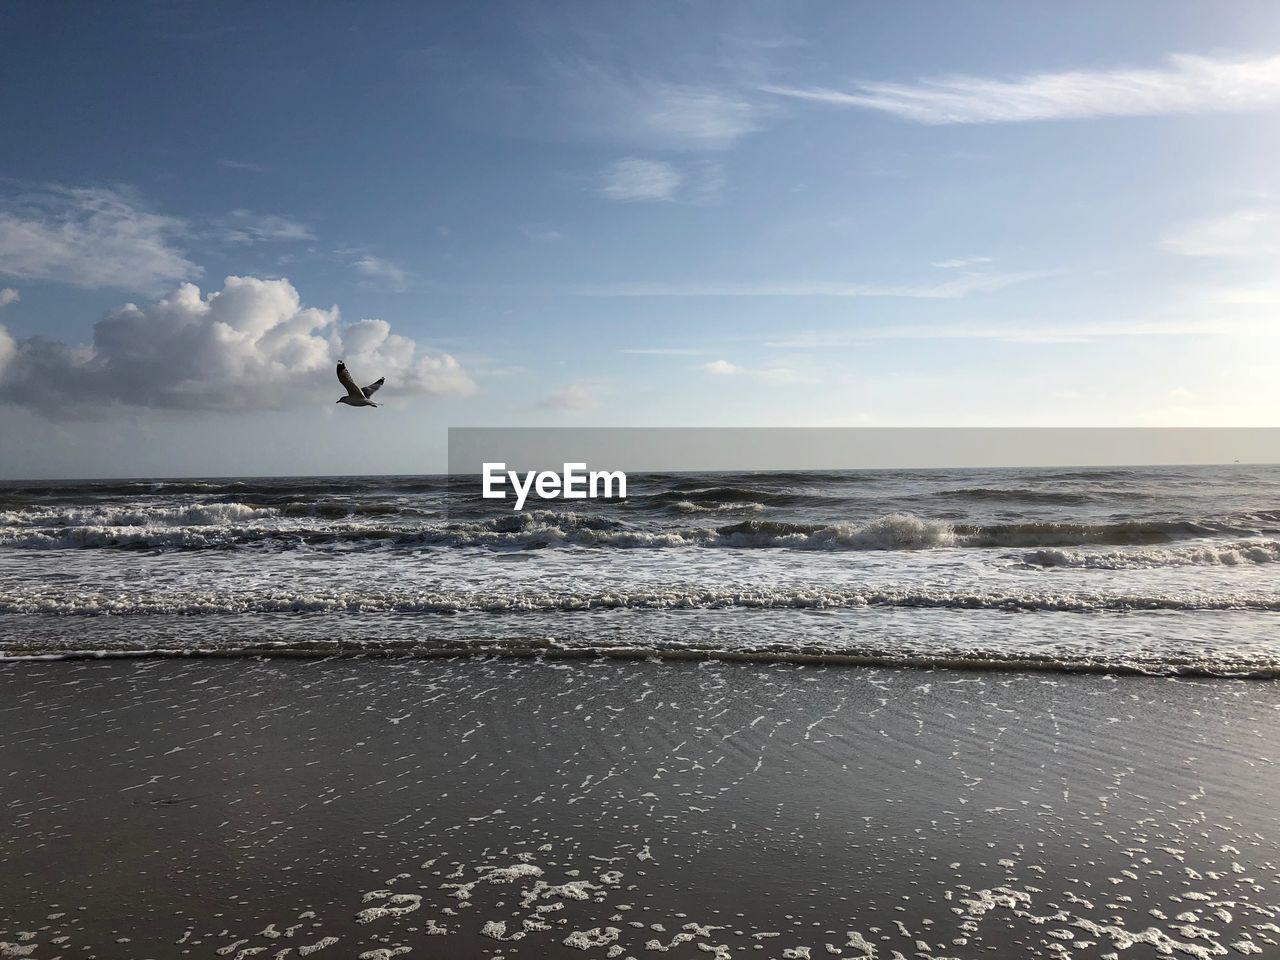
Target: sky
624	214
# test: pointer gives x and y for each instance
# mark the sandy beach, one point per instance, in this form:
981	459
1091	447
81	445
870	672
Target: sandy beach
483	808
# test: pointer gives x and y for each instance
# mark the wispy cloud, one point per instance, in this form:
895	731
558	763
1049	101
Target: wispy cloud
1251	232
8	295
961	286
663	351
960	263
107	237
632	108
702	118
573	396
1186	84
245	226
382	272
1072	332
541	233
723	368
242	165
633	179
91	237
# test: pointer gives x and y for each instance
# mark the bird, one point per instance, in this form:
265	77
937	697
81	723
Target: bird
357	396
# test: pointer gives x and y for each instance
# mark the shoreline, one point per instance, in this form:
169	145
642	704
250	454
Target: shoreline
162	808
483	650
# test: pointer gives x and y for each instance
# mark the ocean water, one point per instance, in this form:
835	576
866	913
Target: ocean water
1160	569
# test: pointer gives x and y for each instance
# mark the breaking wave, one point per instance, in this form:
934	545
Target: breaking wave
715	598
228	525
1203	555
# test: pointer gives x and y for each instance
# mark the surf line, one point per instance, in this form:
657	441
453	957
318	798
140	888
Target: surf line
574	483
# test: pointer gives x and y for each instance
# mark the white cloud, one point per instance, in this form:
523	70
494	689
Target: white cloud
383	272
91	237
723	368
242	165
648	82
245	226
959	263
1253	232
541	233
1187	84
701	118
1070	332
1257	294
250	345
634	179
632	108
574	396
962	286
662	351
8	347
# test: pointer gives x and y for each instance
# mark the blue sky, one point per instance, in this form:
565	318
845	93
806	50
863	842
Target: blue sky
632	214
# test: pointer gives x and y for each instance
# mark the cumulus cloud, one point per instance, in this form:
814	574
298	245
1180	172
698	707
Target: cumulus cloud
252	344
722	368
1185	84
633	179
91	237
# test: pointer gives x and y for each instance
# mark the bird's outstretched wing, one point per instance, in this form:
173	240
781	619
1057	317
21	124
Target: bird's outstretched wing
372	388
345	379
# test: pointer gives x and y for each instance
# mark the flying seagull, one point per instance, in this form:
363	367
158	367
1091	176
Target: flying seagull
357	396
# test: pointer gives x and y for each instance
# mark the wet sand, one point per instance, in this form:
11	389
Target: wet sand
483	808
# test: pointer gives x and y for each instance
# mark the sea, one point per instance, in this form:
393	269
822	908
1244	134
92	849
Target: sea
1156	570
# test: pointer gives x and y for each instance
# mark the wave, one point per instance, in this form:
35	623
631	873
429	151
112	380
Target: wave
194	515
229	525
686	506
446	602
1023	495
337	509
717	495
543	648
1205	555
896	531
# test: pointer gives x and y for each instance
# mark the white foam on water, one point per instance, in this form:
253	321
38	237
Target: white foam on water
394	905
593	938
322	944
